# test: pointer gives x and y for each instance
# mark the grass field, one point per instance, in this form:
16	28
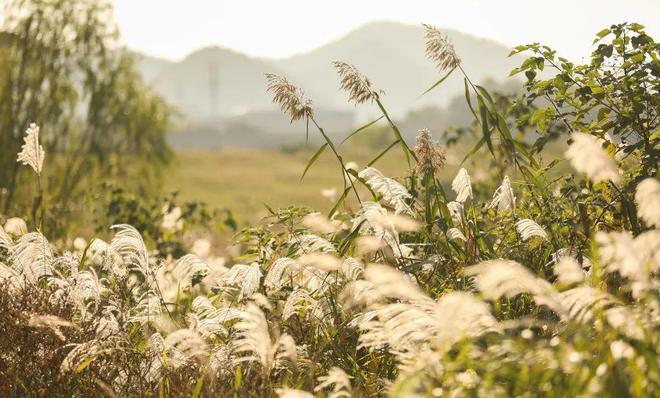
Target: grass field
244	180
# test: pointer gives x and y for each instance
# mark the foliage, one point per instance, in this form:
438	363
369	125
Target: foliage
60	67
161	221
523	284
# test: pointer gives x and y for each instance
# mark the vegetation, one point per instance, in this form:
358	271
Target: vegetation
60	66
524	282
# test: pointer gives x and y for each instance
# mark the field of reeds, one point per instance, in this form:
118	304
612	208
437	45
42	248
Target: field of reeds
522	275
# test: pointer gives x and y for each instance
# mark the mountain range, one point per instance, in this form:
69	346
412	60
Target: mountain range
215	88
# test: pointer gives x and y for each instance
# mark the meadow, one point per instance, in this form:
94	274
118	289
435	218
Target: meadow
523	261
247	180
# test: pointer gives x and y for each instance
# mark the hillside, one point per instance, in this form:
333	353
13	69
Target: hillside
214	85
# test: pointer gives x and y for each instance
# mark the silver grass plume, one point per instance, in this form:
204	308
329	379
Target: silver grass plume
186	347
529	228
87	352
254	341
497	278
128	243
16	227
244	277
393	192
456	234
588	157
310	243
292	393
568	270
582	302
338	380
503	198
390	282
359	293
32	153
374	219
320	223
395	222
32	257
297	303
288	272
291	99
6	242
462	186
439	49
456	210
647	197
351	269
430	156
635	258
355	83
323	261
190	270
51	322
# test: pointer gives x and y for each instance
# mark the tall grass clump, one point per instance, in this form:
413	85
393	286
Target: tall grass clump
539	279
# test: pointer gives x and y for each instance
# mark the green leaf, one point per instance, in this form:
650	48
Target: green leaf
436	84
341	200
366	126
467	97
603	33
636	27
380	155
474	150
198	388
345	244
488	99
406	151
313	159
484	125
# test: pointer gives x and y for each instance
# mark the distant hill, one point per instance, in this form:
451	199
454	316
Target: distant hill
214	83
392	55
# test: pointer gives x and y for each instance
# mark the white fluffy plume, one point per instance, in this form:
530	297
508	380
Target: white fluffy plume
254	341
32	153
503	198
393	193
588	157
462	186
529	228
647	197
497	278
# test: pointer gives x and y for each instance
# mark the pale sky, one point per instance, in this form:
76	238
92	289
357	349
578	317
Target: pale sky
174	28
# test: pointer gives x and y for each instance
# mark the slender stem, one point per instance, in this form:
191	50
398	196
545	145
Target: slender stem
339	158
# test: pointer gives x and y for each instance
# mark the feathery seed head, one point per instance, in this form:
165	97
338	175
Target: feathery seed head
456	234
16	227
439	49
430	157
588	157
357	85
497	278
456	210
291	99
503	198
338	380
319	223
393	192
568	270
462	186
32	153
528	228
647	197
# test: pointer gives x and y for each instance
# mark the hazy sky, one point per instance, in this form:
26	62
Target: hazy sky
174	28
